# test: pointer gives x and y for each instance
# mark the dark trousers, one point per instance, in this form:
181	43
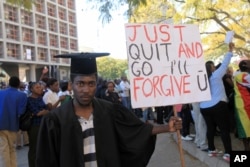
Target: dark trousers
186	117
218	115
32	133
163	112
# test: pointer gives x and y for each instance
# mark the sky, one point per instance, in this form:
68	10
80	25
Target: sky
94	36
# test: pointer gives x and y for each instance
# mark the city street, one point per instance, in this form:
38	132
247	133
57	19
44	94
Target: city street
166	154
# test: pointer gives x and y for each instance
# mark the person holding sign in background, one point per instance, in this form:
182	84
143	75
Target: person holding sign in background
215	111
88	131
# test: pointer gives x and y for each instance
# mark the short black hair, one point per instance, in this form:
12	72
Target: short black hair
51	81
14	82
64	85
243	66
209	68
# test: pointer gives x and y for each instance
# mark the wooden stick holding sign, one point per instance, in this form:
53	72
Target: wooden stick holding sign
177	108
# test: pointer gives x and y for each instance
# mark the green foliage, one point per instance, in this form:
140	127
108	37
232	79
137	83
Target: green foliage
110	68
214	18
155	11
26	4
107	6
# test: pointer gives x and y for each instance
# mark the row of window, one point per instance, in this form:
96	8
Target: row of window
29	53
27	35
11	14
69	3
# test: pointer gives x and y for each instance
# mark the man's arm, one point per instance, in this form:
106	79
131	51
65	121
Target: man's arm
174	124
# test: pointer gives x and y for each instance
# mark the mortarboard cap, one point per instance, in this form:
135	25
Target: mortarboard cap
83	63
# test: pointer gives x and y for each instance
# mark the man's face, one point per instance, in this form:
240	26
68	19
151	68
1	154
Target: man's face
55	87
37	89
84	88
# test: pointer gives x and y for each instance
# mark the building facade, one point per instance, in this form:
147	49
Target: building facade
29	39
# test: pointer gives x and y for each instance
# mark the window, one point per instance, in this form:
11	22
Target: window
62	14
52	25
13	51
42	54
41	38
10	13
27	35
26	18
52	54
73	44
40	22
72	31
51	10
63	28
64	42
72	17
11	32
28	53
71	4
40	6
61	2
53	40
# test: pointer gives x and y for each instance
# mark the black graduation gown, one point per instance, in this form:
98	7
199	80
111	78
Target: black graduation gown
121	139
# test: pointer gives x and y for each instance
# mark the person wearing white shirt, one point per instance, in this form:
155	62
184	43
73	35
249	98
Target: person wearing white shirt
50	98
125	87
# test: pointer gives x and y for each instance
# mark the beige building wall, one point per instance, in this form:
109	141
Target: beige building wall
29	40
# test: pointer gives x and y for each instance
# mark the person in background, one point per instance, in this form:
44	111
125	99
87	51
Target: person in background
110	94
101	89
88	131
186	117
200	128
22	136
50	98
163	113
147	114
242	102
229	89
117	87
12	105
215	111
35	104
65	90
125	87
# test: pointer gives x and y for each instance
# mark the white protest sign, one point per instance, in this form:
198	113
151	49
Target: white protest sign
166	65
229	37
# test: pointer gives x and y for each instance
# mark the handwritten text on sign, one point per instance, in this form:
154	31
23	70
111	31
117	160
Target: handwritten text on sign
166	65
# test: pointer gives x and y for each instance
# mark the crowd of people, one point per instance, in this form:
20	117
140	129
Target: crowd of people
47	95
99	115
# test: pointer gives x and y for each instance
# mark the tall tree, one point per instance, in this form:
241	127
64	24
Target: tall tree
110	68
214	18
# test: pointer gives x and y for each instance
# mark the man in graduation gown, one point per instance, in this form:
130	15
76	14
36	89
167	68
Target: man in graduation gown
90	132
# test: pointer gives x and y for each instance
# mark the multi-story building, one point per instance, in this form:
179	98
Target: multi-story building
29	39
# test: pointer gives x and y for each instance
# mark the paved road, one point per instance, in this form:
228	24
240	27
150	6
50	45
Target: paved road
166	154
